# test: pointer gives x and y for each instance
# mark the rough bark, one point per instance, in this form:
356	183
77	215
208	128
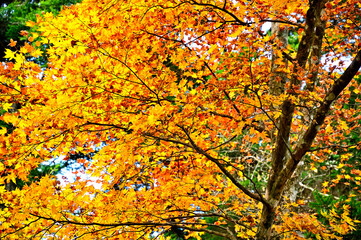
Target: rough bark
292	188
314	61
284	161
275	189
278	78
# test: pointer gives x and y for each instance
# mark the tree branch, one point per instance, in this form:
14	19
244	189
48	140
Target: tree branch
304	144
222	9
256	197
145	224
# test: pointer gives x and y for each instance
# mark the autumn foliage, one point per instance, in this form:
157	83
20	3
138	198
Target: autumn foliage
193	110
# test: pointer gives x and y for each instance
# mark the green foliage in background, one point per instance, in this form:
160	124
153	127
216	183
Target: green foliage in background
323	205
15	14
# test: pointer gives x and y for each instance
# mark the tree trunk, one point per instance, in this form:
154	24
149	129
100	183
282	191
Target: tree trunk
278	78
292	186
265	226
284	159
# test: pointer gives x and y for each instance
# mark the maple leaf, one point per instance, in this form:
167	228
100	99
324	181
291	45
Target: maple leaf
9	54
12	43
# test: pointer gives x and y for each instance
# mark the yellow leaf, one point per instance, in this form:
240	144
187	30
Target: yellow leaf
3	131
30	24
9	54
7	106
340	165
212	48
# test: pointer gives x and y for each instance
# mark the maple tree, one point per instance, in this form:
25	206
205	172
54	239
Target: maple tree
162	93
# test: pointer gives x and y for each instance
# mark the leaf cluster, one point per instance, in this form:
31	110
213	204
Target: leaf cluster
14	15
323	205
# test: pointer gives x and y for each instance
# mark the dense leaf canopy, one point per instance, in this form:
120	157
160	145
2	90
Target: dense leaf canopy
191	110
